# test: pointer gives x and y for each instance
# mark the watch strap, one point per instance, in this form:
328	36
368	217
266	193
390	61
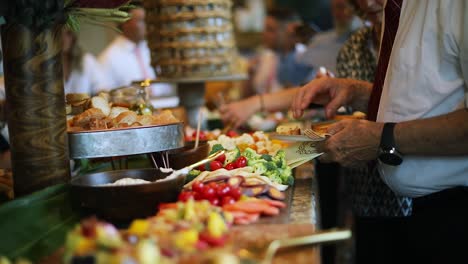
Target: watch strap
387	140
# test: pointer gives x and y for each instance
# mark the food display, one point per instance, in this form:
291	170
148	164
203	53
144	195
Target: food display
96	113
179	231
191	38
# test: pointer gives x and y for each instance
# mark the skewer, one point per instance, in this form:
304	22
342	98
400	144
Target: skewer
164	160
167	159
197	138
155	164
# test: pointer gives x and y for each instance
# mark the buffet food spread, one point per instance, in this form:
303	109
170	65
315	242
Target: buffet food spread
246	183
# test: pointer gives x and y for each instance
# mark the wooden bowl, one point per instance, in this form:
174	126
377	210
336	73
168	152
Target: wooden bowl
188	155
123	203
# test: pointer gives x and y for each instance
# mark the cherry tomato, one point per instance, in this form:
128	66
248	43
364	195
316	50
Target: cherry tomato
232	133
201	167
227	200
198	196
223	190
241	162
213	185
197	186
202	135
221	158
214	201
214	165
208	192
185	196
235	193
230	166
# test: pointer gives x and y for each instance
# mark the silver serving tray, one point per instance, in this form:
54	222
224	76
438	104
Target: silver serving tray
125	141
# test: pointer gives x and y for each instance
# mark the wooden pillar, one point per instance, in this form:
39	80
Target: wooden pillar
35	107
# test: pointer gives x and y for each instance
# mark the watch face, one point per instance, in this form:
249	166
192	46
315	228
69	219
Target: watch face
390	158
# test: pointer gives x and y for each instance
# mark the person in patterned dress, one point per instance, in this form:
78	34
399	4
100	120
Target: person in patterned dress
380	216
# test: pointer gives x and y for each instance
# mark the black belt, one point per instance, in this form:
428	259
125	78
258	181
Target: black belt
442	197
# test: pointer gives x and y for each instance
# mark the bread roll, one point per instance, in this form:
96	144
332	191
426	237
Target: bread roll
101	103
146	120
288	130
117	110
83	119
128	118
76	97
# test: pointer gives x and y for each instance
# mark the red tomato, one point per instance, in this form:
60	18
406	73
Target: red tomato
202	135
223	190
213	241
227	200
230	166
208	192
201	167
214	165
197	186
185	196
221	158
198	196
214	201
235	193
213	185
232	133
241	162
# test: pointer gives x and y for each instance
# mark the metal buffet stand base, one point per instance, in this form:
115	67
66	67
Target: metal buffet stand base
126	141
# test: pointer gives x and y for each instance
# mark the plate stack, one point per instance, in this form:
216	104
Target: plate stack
191	38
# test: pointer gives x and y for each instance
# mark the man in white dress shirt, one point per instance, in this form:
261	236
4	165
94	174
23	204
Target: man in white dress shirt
127	58
420	137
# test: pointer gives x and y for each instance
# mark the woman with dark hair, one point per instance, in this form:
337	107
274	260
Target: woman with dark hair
81	71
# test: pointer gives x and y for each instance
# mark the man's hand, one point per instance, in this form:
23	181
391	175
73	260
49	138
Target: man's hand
353	143
332	93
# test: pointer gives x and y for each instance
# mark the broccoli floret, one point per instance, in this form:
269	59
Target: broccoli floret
251	154
285	174
232	155
267	157
260	167
216	148
271	166
192	175
274	175
280	159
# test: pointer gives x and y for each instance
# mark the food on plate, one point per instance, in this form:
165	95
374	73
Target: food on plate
288	129
97	113
127	181
321	127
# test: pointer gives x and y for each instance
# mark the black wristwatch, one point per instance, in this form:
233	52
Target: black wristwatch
388	153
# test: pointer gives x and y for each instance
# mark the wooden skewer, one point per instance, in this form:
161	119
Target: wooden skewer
197	137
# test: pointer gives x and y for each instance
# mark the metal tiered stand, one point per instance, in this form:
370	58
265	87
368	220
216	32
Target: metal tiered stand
126	141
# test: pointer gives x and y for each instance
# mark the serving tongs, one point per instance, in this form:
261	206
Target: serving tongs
186	170
266	255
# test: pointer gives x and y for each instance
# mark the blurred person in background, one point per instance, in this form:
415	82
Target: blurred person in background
274	67
81	71
127	58
289	72
324	46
